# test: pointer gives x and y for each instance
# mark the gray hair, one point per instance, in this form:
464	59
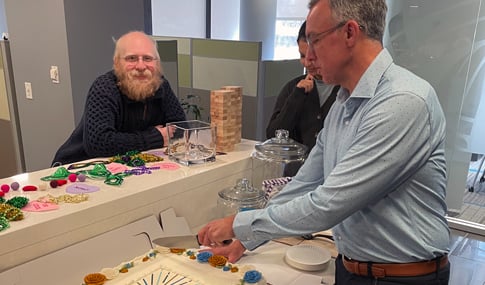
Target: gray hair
370	14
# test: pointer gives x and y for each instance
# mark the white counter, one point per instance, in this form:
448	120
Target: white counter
191	191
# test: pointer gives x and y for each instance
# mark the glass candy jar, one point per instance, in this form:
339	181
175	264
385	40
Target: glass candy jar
277	157
241	197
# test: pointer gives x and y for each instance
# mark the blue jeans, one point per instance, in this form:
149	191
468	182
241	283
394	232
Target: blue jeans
343	277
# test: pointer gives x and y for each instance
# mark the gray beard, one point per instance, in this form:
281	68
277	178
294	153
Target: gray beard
138	91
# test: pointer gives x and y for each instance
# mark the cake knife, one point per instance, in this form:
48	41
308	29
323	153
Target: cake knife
184	241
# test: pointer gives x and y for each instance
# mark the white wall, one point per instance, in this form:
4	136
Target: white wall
225	19
182	18
3	20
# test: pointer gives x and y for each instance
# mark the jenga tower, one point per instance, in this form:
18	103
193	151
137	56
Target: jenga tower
223	116
237	110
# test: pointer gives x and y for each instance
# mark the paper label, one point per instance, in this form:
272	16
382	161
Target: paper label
79	188
36	206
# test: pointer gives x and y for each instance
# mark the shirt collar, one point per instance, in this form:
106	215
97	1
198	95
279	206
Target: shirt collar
367	85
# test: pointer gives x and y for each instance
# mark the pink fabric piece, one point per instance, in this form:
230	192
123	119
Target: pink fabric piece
115	167
36	206
166	165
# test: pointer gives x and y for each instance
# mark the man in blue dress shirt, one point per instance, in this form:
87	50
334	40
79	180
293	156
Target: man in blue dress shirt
377	174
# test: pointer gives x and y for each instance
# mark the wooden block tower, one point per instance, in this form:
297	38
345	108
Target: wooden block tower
237	109
225	114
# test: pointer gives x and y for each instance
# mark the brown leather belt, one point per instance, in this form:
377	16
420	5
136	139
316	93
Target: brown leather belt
394	269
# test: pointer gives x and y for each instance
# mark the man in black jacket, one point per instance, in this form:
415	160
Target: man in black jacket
303	103
126	108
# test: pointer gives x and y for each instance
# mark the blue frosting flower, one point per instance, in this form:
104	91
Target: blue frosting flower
204	256
252	276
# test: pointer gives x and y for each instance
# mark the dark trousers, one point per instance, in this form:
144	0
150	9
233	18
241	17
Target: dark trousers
343	277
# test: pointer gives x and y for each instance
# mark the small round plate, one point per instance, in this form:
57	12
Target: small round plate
307	257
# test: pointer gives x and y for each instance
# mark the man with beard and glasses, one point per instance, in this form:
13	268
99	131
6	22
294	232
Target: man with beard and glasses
126	108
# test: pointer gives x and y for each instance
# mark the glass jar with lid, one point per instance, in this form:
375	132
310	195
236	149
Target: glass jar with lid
277	157
242	197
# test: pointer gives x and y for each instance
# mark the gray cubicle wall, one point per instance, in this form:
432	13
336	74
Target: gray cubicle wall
207	64
217	63
275	74
169	62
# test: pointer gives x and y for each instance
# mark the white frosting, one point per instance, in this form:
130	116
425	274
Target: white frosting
165	268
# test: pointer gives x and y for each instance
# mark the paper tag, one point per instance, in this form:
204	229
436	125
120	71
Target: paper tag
36	206
115	167
157	152
166	165
79	188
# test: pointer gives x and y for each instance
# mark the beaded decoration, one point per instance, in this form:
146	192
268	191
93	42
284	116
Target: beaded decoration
78	198
4	224
101	172
135	158
141	170
60	173
11	213
18	202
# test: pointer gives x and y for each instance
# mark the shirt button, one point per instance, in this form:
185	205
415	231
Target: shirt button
319	117
346	123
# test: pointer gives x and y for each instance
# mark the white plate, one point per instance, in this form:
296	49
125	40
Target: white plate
307	257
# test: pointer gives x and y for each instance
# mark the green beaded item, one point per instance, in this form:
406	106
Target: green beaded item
134	158
61	173
99	171
4	224
18	202
11	213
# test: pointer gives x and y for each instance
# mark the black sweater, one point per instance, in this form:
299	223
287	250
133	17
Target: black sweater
299	113
114	124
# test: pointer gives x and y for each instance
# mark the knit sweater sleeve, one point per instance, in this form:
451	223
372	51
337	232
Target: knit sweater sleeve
288	107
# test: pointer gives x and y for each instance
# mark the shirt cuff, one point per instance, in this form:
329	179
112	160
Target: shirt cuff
243	231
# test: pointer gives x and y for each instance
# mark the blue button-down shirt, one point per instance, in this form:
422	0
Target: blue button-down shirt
376	176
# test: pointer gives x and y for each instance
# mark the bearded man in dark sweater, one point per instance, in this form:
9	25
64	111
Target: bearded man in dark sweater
126	108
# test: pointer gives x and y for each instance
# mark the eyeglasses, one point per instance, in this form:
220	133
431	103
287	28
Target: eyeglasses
135	58
313	39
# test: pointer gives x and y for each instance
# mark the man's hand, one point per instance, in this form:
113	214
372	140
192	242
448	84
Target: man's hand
167	132
216	232
234	251
306	83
